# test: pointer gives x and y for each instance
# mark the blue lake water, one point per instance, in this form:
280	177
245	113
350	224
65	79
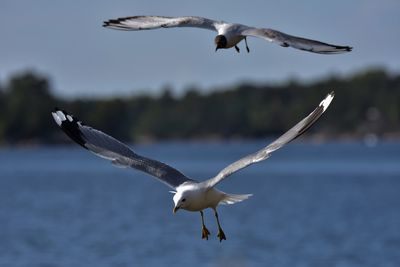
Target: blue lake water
331	204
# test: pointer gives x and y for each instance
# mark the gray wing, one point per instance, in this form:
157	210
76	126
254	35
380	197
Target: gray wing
287	40
137	23
118	153
265	153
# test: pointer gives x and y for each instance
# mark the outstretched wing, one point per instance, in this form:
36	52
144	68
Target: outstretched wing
287	40
264	153
137	23
118	153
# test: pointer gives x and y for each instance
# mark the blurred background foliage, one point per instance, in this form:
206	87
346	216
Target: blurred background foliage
366	103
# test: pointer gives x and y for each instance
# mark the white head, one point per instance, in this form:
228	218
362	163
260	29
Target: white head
181	200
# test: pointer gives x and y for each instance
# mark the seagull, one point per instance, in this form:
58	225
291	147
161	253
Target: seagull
229	34
189	194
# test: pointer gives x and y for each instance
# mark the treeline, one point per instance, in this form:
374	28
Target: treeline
366	103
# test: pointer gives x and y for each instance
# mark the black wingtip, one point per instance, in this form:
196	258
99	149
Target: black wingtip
71	127
108	23
344	48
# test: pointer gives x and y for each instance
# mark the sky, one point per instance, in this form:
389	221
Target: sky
65	41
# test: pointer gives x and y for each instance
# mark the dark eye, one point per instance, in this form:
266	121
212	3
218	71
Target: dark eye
183	200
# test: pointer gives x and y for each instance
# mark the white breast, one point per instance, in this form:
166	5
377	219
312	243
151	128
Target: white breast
232	34
201	199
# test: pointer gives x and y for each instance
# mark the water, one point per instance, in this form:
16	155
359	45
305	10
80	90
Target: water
334	204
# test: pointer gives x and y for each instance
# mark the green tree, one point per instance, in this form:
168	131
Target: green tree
28	102
367	102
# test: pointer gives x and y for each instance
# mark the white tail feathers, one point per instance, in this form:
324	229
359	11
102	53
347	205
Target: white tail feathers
232	199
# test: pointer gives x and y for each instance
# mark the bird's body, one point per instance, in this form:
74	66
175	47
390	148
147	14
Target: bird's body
196	197
230	34
189	194
200	196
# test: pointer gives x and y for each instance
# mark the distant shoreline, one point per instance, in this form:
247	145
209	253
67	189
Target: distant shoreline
314	139
366	107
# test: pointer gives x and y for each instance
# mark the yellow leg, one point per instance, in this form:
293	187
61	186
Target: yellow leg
221	233
204	231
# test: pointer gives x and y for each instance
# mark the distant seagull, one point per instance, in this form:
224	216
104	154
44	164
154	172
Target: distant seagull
189	194
229	34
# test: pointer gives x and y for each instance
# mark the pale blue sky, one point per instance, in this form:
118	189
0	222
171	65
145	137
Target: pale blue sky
65	40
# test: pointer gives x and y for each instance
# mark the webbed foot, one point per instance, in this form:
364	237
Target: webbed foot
204	233
221	235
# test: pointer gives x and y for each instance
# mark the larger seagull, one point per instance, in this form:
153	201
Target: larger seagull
229	34
189	194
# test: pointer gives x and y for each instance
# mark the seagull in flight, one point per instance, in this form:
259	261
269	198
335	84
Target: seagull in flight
189	194
229	34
